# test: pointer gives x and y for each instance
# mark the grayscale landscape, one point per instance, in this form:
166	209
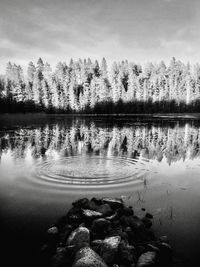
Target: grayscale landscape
100	133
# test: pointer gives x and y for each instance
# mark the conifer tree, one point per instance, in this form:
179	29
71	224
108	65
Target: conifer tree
114	82
31	70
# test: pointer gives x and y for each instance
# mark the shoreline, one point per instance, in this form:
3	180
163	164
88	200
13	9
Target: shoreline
115	115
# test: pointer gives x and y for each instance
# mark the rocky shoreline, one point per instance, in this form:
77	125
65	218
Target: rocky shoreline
104	233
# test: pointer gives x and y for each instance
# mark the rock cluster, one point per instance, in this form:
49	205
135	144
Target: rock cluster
104	233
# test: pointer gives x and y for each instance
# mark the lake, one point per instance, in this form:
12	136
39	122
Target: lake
46	162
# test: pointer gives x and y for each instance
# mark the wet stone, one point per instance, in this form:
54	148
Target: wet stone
130	235
96	245
132	221
97	201
100	225
116	231
91	214
66	230
75	219
127	253
105	209
114	202
62	258
53	230
151	247
82	203
112	217
125	211
93	204
86	257
147	259
109	248
86	237
79	237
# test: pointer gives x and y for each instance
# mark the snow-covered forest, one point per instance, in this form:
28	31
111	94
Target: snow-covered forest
84	86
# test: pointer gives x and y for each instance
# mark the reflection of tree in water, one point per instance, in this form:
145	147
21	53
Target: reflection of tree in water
155	142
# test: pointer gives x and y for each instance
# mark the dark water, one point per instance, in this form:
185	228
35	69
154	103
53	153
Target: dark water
47	163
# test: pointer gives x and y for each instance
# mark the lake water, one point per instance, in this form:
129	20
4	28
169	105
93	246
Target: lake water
47	162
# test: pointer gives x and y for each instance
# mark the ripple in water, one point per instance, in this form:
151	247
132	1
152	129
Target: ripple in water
94	171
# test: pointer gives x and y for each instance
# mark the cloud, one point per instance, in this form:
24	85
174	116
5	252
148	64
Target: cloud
136	30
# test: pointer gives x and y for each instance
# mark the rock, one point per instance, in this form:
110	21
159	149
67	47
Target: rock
114	203
63	257
112	217
147	222
149	215
109	248
91	214
75	219
151	247
97	201
125	211
86	257
80	237
147	259
128	211
96	245
53	230
141	249
101	232
145	235
133	221
127	253
116	230
64	234
93	204
105	209
130	234
82	203
100	225
97	242
52	237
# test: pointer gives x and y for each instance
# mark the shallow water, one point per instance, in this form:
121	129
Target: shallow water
153	164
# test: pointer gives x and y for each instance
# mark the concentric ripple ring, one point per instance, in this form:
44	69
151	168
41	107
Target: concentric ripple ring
90	171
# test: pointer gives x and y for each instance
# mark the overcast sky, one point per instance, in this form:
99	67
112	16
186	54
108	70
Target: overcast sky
137	30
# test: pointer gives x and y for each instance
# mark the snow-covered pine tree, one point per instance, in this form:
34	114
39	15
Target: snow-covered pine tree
31	70
55	93
114	73
104	82
37	83
73	103
196	77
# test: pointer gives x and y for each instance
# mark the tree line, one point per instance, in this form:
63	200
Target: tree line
84	86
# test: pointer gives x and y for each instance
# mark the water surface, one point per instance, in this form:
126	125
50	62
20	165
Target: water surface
154	164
